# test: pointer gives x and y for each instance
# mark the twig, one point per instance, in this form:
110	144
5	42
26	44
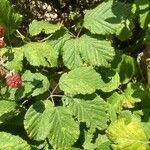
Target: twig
79	31
52	94
20	34
24	39
57	95
139	59
46	38
54	89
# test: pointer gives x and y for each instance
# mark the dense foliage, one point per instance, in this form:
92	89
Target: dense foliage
75	83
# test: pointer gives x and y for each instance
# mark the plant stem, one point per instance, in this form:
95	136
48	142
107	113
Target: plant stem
54	89
57	95
22	36
45	38
79	31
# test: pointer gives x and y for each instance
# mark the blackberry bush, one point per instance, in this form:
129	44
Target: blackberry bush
74	74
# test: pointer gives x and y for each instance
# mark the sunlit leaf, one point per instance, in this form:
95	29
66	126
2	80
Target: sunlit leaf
9	141
83	80
127	136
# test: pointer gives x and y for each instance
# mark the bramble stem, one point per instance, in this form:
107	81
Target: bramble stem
79	31
20	34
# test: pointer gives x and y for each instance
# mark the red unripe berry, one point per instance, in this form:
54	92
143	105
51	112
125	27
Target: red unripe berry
1	31
2	43
13	81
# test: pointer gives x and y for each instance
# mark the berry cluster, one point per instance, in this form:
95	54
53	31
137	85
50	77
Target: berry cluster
2	43
13	80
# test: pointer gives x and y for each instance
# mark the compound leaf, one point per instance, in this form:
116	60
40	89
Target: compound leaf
93	51
115	102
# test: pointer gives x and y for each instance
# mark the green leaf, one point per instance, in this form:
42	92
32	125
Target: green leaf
115	102
71	54
88	137
93	112
64	131
146	126
129	117
127	136
126	32
9	142
58	39
37	27
8	109
33	82
37	120
111	80
8	18
126	66
40	54
39	82
83	80
14	119
7	106
147	36
106	18
143	10
15	58
95	51
133	93
102	143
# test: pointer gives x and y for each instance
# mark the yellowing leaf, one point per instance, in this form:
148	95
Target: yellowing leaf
127	136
